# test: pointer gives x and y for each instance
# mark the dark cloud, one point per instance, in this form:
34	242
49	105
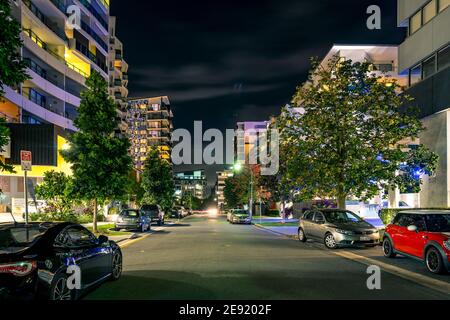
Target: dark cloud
226	61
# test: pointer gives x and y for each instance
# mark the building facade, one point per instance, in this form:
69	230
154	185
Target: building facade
220	186
246	142
424	56
118	75
191	183
149	122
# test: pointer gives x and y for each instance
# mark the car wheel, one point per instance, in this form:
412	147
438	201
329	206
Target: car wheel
59	290
388	249
330	241
301	235
433	261
116	265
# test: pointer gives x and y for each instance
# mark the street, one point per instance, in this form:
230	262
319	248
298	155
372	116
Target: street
207	258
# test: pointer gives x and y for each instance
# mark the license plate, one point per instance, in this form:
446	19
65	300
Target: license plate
364	239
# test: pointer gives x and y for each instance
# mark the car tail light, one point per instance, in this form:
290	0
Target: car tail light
19	269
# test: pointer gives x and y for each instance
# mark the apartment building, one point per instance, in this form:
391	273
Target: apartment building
246	143
118	75
424	56
149	122
59	59
191	183
220	186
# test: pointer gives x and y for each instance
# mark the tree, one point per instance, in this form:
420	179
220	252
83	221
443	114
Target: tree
12	67
54	189
350	135
99	159
237	189
157	181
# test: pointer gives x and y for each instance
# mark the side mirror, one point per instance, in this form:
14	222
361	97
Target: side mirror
412	228
102	239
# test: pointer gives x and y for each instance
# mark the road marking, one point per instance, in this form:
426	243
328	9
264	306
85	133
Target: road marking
423	280
129	242
434	284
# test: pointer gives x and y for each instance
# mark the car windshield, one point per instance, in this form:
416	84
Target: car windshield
240	212
341	216
18	238
438	222
130	213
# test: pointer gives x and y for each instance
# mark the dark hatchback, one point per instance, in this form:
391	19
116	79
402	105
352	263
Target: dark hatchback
34	260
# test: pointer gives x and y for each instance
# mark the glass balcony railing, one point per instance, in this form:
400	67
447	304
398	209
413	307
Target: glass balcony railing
95	13
94	35
38	14
86	52
60	5
34	37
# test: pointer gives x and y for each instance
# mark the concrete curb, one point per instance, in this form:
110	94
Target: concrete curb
257	225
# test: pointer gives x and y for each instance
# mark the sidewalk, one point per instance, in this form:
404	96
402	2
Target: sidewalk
287	231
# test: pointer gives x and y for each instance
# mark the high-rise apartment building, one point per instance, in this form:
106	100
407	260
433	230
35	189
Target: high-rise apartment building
118	75
59	59
60	56
149	122
424	57
247	142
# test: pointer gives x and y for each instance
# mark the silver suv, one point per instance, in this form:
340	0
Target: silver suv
336	228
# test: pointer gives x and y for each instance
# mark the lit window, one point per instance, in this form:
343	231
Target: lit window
443	4
415	75
444	58
429	11
415	22
429	67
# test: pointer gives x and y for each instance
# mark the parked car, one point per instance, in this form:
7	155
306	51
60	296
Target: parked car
337	228
154	212
34	260
133	219
240	216
420	234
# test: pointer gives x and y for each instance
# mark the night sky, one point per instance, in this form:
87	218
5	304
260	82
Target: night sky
227	61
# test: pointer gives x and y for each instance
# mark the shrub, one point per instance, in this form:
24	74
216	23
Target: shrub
273	213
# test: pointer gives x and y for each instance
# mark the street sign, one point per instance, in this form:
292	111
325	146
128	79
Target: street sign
25	160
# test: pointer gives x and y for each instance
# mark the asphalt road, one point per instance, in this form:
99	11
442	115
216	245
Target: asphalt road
207	258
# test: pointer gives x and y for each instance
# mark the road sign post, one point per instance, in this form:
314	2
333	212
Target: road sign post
26	162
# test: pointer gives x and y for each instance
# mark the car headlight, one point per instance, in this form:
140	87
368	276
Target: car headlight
447	244
346	232
119	219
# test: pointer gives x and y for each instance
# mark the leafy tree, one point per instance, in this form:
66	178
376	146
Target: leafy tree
54	189
157	181
100	160
352	136
237	189
12	68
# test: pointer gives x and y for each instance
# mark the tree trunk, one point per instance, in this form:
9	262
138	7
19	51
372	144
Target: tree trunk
341	201
94	222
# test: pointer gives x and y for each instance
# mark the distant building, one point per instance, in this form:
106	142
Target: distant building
191	183
244	144
149	124
220	186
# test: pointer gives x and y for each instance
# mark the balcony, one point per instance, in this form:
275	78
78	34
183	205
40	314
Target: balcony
34	37
94	12
46	21
94	35
431	94
91	56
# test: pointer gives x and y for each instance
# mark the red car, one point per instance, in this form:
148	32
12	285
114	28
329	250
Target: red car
420	234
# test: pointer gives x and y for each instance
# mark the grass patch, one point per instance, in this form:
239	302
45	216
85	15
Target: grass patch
278	224
107	230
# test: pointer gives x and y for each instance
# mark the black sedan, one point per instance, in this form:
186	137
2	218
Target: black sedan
37	261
